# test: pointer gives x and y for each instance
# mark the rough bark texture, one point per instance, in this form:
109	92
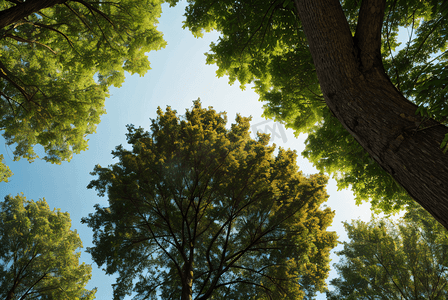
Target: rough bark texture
19	11
360	94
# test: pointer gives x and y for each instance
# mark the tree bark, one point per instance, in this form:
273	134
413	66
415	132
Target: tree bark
19	11
187	281
360	94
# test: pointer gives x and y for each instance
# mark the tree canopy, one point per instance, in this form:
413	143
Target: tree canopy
57	62
300	63
407	259
37	253
197	210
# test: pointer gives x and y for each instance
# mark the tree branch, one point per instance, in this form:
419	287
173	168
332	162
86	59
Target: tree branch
368	32
17	38
24	296
79	16
390	275
24	9
91	8
57	31
4	73
9	103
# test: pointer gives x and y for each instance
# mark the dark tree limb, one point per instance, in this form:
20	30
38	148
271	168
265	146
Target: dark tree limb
20	39
23	9
368	32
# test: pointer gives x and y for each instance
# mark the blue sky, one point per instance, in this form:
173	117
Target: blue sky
178	76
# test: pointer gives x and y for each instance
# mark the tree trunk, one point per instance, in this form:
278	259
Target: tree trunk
360	94
12	291
187	281
19	11
10	295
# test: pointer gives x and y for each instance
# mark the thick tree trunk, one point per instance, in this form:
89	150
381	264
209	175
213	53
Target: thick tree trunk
19	11
362	97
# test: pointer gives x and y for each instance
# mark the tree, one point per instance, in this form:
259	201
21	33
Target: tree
388	260
37	253
57	61
200	211
317	61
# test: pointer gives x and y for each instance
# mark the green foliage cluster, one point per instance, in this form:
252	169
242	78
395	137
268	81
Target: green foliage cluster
263	44
333	150
407	259
37	253
196	209
56	67
5	172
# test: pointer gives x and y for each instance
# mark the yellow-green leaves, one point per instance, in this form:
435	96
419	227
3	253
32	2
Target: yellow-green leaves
37	253
406	259
5	172
262	42
333	150
56	74
193	197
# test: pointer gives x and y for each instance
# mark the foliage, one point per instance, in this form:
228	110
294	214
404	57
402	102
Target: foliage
388	260
333	150
5	172
56	67
263	43
199	210
37	253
